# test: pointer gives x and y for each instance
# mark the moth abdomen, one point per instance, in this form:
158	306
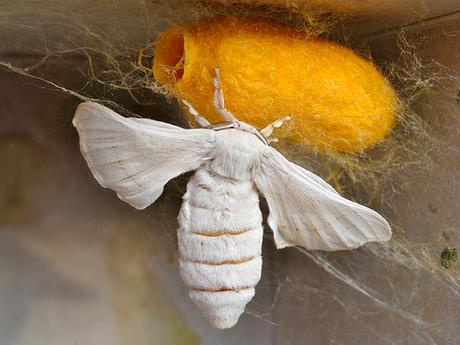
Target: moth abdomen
218	277
222	290
222	308
218	249
220	241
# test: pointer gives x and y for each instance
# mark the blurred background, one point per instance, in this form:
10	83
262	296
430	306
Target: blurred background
78	266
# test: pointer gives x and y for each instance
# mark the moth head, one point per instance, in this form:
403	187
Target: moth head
242	126
264	134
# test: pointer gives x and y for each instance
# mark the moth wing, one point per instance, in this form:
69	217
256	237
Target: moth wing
306	211
137	157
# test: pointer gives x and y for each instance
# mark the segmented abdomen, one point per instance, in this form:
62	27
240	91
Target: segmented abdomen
220	241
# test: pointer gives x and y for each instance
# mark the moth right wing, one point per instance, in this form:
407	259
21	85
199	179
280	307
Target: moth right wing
306	211
137	157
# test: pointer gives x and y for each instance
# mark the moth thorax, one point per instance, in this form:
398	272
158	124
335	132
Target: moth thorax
236	154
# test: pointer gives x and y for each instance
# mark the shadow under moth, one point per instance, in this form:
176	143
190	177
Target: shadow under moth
220	222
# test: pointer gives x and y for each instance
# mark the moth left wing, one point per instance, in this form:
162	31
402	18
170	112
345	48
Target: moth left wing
306	211
137	157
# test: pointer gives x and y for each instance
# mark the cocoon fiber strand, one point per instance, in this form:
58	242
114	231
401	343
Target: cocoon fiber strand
338	100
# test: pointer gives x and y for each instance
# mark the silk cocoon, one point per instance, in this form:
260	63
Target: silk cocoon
339	101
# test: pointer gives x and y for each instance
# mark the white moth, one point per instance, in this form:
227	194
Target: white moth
220	222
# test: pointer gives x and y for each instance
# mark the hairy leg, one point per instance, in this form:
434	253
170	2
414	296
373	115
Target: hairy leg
267	131
197	117
219	102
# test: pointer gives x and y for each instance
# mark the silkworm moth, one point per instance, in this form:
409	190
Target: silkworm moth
220	223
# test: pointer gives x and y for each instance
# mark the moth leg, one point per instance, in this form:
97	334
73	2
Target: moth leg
219	102
196	116
267	131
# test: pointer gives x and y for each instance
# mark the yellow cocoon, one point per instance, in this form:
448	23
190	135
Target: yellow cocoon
338	100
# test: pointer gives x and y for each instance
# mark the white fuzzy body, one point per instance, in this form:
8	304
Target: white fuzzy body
220	234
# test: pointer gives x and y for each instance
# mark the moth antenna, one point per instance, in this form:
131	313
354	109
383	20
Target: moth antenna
219	102
267	131
196	116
